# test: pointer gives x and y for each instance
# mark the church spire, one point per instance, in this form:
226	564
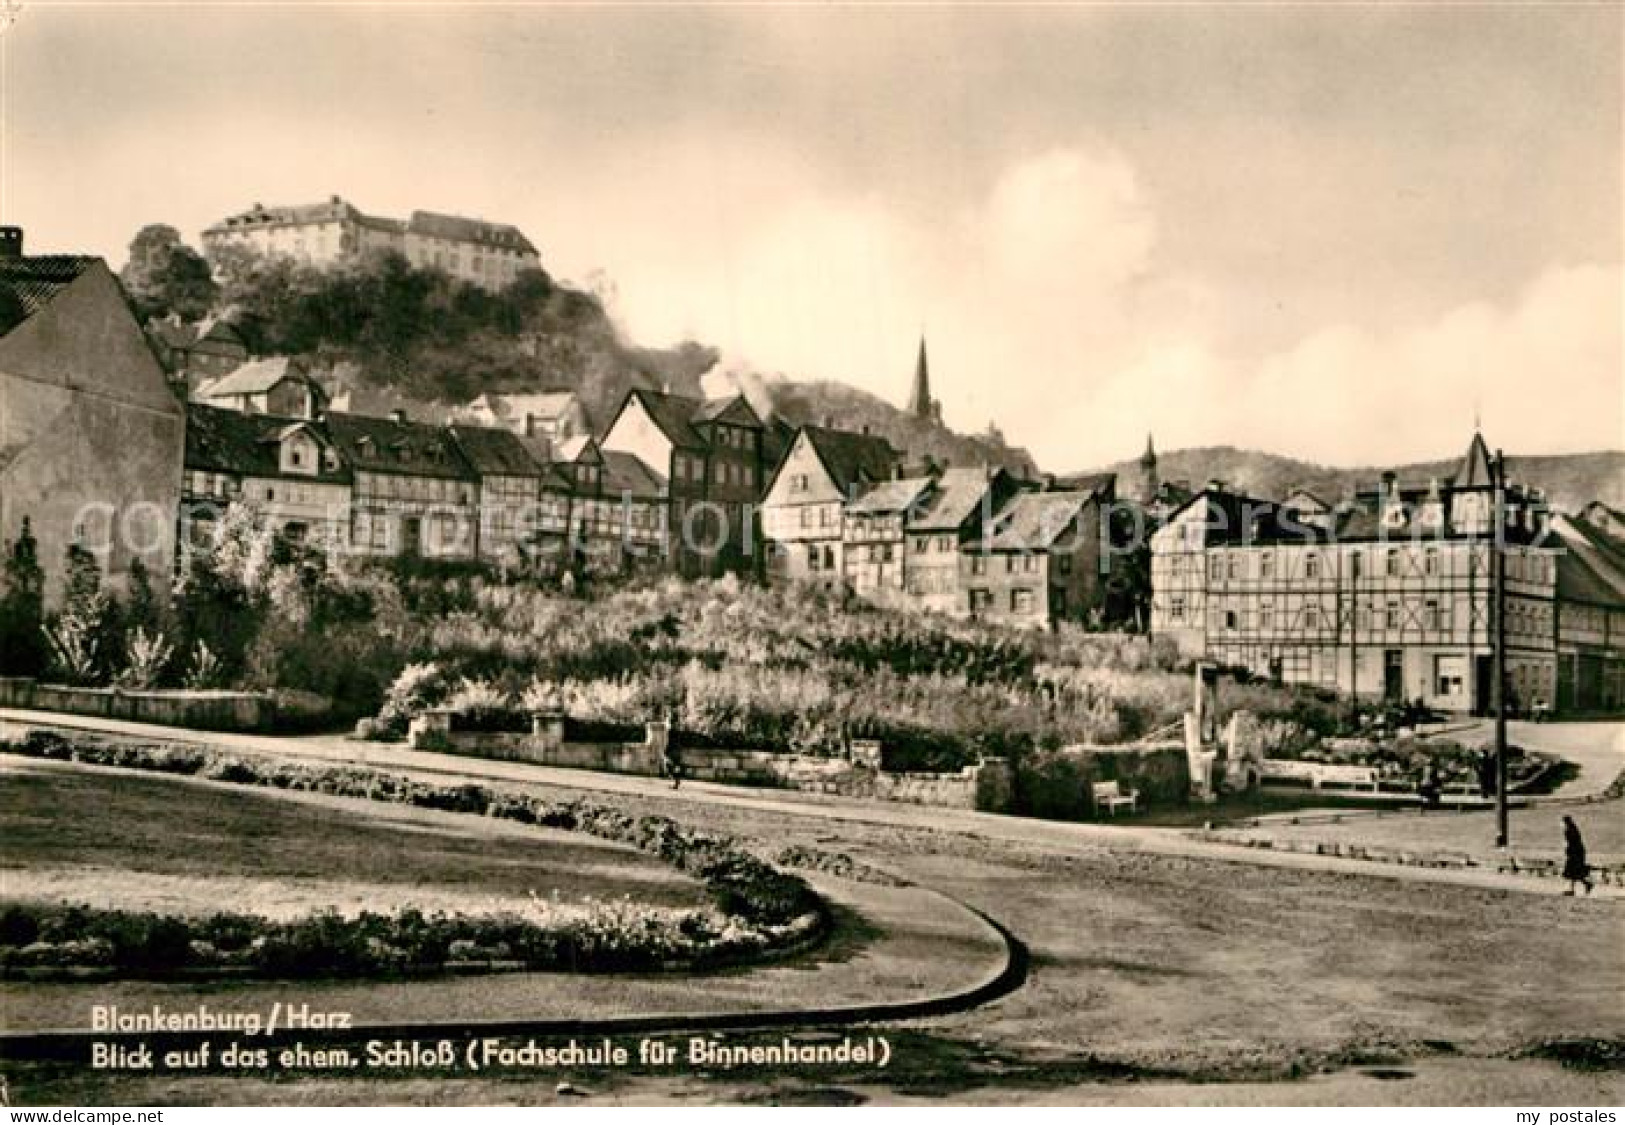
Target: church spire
920	402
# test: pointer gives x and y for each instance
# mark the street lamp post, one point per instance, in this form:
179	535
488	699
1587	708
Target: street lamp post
1498	569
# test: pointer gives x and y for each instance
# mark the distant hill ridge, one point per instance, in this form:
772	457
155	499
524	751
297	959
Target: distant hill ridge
1570	480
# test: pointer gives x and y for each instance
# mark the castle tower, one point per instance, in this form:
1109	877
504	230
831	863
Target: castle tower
1146	484
920	402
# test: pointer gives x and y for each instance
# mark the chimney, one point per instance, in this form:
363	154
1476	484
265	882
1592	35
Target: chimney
397	415
11	242
1388	479
1049	482
336	201
1214	484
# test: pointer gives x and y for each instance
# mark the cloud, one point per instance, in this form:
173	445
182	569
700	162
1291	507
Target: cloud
1049	310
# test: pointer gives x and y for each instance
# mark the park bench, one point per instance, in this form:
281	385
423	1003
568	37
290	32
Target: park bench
1322	775
1110	796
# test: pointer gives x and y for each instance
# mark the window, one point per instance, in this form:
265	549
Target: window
1311	617
1217	568
295	457
978	565
920	543
1009	564
1021	601
813	557
1063	563
1390	617
806	517
885	553
980	600
1176	608
945	545
1434	617
1391	563
1230	619
1356	563
1233	567
1266	564
1311	566
1029	564
1430	561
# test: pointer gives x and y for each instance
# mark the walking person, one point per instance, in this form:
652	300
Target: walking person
671	763
1428	787
1575	867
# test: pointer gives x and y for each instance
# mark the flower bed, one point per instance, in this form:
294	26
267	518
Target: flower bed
758	908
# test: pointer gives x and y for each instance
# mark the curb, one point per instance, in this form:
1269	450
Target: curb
74	1046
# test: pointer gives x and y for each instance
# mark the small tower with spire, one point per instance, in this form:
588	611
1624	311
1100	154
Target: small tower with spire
920	402
1146	484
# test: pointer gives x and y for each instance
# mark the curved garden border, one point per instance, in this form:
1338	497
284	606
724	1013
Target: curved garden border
778	908
73	1045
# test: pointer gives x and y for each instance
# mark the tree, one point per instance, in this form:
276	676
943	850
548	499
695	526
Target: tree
83	636
165	276
22	608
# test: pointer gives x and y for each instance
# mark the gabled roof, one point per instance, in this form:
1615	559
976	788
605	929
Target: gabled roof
892	497
851	460
334	210
1475	466
625	474
1033	521
671	414
384	445
573	450
27	285
540	404
456	228
1105	484
256	377
733	409
959	494
1590	565
494	452
219	440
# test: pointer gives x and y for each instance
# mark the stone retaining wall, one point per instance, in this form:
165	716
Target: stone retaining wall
201	710
986	786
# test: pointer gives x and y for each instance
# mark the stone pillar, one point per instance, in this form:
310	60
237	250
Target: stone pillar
547	729
1199	758
650	758
995	785
865	752
430	730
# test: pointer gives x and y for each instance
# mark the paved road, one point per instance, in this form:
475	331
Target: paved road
1598	748
1052	835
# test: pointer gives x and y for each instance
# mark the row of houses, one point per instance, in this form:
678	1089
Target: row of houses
1387	593
1390	593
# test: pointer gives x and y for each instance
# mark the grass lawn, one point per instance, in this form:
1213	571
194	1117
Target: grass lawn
142	841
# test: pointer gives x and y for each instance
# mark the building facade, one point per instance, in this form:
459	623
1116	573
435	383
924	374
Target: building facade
874	540
91	435
491	255
277	385
960	508
1387	596
805	501
286	469
196	353
414	493
1040	561
709	451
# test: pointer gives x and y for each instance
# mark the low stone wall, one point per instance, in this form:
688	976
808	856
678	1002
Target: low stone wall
201	710
986	786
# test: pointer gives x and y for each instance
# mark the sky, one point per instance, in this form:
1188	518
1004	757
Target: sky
1335	232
